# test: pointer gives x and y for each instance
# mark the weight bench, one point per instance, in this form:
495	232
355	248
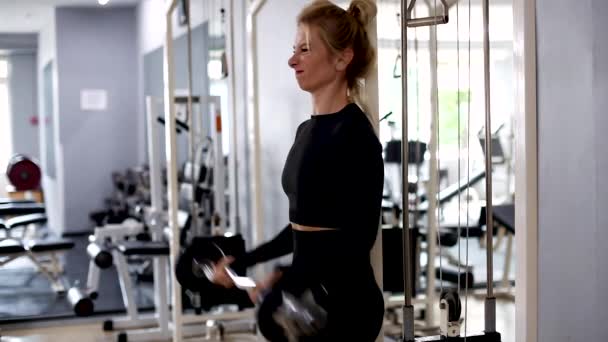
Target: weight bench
20	208
23	221
15	201
43	253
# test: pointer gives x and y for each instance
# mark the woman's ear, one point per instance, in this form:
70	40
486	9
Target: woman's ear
344	59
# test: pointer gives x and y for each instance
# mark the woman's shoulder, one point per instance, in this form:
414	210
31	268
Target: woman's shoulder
358	125
301	126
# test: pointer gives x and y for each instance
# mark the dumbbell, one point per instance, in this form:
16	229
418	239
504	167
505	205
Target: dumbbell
301	316
205	269
298	316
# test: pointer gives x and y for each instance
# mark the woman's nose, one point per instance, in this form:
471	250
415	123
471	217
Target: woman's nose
292	61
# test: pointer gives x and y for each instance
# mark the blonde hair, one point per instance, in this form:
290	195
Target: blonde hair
339	30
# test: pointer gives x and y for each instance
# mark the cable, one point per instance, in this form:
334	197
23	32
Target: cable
466	291
436	66
458	108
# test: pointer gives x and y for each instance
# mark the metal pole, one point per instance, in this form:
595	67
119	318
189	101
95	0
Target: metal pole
219	172
433	184
156	223
193	128
408	308
254	124
490	304
156	195
171	155
233	154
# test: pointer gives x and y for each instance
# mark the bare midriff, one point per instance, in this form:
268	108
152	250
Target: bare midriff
303	228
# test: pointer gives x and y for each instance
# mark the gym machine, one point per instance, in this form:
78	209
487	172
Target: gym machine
450	304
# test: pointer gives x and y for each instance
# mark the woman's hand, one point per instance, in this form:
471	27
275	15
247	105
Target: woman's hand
269	282
220	276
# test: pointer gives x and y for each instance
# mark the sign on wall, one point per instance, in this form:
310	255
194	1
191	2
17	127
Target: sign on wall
93	99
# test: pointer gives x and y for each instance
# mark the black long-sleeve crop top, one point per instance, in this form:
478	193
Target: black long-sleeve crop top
333	178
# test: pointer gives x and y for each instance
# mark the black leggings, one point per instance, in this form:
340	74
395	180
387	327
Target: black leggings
354	314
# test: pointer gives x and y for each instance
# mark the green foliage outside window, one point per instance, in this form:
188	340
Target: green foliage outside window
448	116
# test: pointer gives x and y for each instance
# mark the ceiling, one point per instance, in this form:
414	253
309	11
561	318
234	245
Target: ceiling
22	16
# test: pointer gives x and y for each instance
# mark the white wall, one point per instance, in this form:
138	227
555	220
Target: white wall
52	185
572	85
95	143
23	96
151	23
149	16
283	106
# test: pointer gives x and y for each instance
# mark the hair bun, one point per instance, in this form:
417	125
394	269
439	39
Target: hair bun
362	10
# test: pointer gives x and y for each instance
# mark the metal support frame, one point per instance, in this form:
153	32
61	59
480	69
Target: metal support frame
52	271
490	306
171	158
234	214
527	289
219	170
428	21
178	319
490	303
113	232
433	184
253	123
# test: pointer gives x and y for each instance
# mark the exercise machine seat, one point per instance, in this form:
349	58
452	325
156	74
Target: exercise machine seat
474	231
15	209
143	248
504	215
24	220
38	246
10	246
15	201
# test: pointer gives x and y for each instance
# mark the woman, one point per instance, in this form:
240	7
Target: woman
333	178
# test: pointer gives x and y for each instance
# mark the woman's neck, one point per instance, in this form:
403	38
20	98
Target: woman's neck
330	99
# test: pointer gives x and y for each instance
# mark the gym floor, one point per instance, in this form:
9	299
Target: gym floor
92	332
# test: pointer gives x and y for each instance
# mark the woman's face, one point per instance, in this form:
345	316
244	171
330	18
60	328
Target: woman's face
313	63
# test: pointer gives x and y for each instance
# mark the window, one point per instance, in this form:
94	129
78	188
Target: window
453	83
3	70
5	123
451	65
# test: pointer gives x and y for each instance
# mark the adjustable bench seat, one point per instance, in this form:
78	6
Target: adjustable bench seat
152	248
43	253
10	247
16	209
503	215
16	201
41	246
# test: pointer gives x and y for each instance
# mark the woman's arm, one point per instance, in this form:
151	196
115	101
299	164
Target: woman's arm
280	245
363	161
